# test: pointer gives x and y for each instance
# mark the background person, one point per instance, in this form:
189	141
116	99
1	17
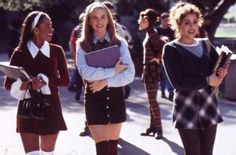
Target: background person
104	97
152	45
189	66
34	51
203	30
122	31
76	82
165	31
128	38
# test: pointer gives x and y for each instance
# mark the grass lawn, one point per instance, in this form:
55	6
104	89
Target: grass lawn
226	31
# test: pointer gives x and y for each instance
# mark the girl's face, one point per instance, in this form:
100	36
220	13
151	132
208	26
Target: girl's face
98	21
143	22
44	30
189	27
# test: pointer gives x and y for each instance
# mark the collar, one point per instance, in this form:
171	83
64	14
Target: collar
195	43
34	49
96	38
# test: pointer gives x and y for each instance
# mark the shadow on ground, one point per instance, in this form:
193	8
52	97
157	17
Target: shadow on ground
126	148
177	149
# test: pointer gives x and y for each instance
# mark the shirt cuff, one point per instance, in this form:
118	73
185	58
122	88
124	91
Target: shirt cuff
45	89
16	92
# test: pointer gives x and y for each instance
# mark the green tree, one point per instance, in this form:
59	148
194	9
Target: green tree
16	5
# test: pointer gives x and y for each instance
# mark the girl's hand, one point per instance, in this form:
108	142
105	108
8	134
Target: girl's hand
25	85
120	67
222	71
156	60
37	83
165	39
214	80
97	85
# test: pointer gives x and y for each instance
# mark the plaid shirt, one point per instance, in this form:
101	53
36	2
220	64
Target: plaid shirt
195	104
152	48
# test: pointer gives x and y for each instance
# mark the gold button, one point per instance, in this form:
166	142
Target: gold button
107	107
108	115
108	98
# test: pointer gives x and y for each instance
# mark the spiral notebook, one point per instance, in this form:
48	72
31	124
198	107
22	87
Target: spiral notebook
105	57
14	72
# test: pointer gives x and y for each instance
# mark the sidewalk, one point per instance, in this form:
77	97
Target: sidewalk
131	143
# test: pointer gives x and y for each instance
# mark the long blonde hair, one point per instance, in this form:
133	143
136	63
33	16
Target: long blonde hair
86	40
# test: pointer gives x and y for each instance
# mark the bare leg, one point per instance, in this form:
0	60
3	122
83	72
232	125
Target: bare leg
30	142
48	142
106	137
114	135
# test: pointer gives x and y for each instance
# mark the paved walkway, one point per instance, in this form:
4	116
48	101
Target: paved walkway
131	143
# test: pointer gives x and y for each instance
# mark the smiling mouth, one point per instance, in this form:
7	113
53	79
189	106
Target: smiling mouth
99	26
191	32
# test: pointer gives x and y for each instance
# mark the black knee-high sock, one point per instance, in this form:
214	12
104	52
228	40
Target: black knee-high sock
113	147
102	148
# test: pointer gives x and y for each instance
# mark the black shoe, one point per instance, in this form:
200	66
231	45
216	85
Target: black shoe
159	134
86	132
163	95
149	132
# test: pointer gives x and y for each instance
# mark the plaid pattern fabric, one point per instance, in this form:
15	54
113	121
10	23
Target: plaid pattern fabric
196	109
154	108
152	46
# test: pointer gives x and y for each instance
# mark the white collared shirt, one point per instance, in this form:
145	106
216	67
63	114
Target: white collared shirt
34	49
106	37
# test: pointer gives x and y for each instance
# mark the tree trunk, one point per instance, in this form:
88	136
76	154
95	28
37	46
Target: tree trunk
217	15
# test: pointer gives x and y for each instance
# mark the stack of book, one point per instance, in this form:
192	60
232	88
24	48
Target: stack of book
225	55
14	72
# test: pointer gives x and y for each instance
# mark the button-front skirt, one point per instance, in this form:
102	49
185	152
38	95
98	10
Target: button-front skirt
106	106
